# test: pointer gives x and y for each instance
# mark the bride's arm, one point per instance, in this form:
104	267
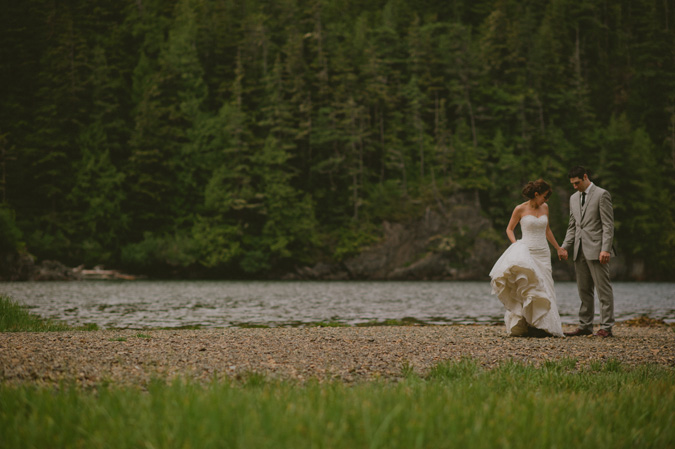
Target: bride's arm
513	222
551	239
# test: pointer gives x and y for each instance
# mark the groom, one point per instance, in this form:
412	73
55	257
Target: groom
589	236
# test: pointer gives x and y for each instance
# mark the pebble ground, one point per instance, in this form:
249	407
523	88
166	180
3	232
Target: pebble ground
324	353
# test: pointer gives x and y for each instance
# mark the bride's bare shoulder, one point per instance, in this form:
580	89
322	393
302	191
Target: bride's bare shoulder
521	207
519	210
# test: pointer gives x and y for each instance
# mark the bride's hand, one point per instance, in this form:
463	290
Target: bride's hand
562	254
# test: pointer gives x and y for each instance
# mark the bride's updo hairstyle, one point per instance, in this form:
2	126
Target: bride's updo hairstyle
539	186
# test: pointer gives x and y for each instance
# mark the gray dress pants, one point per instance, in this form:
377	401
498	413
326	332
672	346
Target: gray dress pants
592	275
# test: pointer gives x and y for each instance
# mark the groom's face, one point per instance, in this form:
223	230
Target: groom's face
580	184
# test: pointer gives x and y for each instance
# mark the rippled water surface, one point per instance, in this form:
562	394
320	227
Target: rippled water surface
140	304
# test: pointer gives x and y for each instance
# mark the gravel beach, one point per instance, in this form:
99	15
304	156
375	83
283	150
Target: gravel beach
342	353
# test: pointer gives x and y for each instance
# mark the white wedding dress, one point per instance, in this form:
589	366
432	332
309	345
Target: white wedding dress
523	282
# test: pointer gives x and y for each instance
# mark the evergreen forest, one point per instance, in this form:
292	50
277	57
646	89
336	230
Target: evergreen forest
242	138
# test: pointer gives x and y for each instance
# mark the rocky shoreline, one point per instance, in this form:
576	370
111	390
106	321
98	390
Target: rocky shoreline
346	354
455	242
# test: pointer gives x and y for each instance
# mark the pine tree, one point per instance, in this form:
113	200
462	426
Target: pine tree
163	185
632	174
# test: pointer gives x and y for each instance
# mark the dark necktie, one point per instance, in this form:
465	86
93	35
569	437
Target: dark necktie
583	198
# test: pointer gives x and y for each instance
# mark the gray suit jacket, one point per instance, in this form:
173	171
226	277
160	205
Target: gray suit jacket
593	227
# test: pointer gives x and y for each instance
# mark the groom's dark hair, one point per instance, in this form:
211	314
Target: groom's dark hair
577	172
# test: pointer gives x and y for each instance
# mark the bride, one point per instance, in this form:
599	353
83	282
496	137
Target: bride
522	278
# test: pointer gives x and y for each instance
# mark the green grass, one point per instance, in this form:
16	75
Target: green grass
456	405
15	318
326	323
406	321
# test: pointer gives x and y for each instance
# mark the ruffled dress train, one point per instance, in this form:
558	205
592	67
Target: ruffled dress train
522	280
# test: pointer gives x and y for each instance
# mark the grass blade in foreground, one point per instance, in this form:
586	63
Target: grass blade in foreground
457	405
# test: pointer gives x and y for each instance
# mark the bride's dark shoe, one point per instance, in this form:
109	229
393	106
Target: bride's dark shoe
537	333
578	332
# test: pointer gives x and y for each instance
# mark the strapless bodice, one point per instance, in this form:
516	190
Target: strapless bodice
534	231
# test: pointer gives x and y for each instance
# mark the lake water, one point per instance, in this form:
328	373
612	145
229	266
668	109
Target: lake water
143	304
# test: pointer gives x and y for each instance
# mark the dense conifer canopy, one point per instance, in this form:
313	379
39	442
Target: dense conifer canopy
248	136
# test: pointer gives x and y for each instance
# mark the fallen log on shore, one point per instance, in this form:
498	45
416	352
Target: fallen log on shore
100	274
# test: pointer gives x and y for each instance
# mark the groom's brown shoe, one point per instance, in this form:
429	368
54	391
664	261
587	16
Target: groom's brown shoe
578	332
604	333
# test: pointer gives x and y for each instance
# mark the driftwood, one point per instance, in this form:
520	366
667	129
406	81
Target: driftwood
98	273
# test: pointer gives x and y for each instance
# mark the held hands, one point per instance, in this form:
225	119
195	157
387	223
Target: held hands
562	253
